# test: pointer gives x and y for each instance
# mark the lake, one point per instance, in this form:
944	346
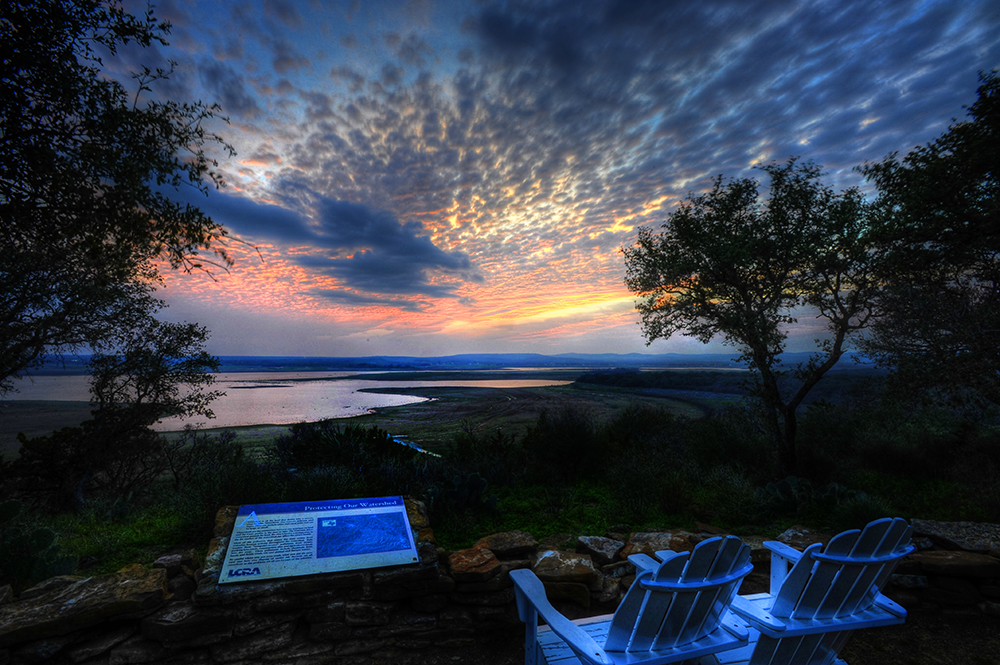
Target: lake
283	398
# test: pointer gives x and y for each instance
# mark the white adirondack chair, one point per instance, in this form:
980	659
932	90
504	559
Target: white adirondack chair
675	610
827	593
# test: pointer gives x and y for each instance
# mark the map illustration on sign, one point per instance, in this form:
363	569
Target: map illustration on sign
290	539
361	534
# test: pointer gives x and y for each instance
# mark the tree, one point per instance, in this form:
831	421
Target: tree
940	234
728	264
152	370
84	167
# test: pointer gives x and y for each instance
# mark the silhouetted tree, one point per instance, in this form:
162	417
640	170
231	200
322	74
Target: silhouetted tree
84	165
940	233
151	370
727	263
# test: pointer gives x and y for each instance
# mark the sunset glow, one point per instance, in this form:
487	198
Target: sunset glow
431	177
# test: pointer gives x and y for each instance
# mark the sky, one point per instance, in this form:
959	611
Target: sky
424	177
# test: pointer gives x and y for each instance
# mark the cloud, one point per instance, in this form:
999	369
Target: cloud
284	11
444	165
376	258
372	252
252	220
229	89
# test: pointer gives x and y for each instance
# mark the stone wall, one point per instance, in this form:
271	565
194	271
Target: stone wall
172	613
955	568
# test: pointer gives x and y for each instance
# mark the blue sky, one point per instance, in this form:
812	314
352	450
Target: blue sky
433	177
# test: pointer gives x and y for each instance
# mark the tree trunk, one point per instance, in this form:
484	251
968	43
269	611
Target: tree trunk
787	456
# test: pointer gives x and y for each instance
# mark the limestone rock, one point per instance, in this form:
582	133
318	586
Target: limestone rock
611	591
225	520
556	566
910	581
651	543
416	513
956	564
175	564
181	587
181	622
602	550
709	529
252	647
618	570
969	536
43	650
801	537
50	585
476	564
100	643
131	592
214	559
556	541
510	544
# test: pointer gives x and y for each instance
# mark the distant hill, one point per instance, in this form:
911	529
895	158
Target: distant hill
466	361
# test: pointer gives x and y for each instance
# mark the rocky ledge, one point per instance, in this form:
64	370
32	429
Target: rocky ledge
176	613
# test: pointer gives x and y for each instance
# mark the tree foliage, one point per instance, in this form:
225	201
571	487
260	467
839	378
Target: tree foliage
729	263
156	370
940	233
153	370
85	168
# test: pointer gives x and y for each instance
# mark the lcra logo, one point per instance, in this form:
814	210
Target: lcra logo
243	572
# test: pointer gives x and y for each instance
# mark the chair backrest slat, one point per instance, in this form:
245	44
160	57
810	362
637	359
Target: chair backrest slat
891	537
829	583
671	603
656	605
842	578
706	606
676	624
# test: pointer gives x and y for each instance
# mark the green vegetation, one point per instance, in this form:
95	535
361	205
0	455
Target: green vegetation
90	175
911	275
572	472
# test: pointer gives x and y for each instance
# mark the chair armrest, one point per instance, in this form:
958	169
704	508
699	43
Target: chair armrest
755	615
642	563
783	558
532	590
784	551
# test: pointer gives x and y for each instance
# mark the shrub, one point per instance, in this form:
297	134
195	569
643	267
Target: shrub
322	483
101	459
497	457
640	428
565	446
219	474
732	437
329	443
29	553
643	486
858	509
726	496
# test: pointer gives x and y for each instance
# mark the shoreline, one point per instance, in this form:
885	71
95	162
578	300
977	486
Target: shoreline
445	413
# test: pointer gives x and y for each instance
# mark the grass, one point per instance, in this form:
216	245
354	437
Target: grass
104	543
526	464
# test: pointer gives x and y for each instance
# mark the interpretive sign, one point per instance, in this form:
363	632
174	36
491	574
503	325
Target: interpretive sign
288	539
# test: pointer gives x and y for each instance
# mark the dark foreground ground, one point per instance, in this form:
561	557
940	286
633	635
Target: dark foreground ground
927	638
